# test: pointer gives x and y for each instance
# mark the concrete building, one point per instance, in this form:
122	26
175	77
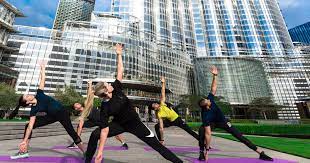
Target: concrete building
8	13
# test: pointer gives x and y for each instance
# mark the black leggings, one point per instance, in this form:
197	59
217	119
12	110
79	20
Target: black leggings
135	127
177	122
228	128
63	117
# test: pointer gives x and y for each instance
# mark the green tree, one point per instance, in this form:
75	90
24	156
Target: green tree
264	105
68	96
97	102
8	97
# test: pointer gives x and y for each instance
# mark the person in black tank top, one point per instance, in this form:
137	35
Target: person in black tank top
116	103
92	116
54	112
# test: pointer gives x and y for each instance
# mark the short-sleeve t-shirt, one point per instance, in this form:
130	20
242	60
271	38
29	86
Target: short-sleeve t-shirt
214	114
45	104
118	106
166	113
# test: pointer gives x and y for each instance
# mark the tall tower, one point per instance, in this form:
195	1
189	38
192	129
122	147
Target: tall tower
242	27
73	10
169	23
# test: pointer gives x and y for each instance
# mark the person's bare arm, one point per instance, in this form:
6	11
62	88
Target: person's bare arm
120	66
23	145
214	72
90	93
163	90
42	76
161	129
80	127
103	138
208	136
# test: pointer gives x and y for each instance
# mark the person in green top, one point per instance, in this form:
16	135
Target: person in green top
168	117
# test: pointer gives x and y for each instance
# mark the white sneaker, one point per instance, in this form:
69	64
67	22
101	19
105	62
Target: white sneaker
20	155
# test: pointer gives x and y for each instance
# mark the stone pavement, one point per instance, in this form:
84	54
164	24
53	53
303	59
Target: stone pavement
52	149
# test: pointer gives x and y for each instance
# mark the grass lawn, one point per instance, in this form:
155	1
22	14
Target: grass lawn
13	120
298	147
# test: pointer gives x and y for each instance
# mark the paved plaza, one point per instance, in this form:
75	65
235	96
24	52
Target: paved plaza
53	149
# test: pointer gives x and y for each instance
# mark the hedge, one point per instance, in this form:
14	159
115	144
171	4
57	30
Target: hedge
273	130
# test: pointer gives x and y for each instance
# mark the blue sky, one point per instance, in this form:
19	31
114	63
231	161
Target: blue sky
42	12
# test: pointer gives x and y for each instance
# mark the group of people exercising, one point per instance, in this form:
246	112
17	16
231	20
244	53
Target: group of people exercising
125	119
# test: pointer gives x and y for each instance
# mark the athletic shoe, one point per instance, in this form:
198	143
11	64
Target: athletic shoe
263	156
71	146
20	155
201	156
125	146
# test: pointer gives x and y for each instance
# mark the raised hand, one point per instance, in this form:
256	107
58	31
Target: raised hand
214	70
42	64
119	49
162	79
89	82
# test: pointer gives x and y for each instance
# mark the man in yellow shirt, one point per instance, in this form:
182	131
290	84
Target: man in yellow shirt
168	117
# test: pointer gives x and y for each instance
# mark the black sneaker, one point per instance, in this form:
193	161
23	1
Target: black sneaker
201	156
71	146
263	156
125	146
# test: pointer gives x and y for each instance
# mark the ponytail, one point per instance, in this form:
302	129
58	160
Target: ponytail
21	102
88	105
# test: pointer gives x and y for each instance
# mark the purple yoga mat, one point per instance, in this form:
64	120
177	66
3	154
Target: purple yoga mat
110	148
181	149
238	160
43	159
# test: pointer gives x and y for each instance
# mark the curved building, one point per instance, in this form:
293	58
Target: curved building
239	79
84	50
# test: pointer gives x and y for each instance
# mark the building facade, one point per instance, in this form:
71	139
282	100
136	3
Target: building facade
301	33
8	13
168	23
73	10
238	80
84	50
242	27
255	29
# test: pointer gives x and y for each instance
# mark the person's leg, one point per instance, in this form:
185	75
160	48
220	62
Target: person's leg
202	138
92	145
87	124
234	132
40	121
180	123
120	138
145	134
64	119
114	129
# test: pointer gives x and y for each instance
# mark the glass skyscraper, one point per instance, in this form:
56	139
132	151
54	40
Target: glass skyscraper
242	27
301	33
254	29
73	10
84	50
168	23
